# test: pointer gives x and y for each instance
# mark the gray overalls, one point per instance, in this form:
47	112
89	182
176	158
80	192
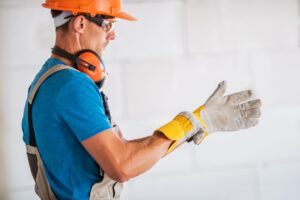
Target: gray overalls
107	189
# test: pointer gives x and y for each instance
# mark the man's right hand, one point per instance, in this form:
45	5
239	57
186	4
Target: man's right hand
227	113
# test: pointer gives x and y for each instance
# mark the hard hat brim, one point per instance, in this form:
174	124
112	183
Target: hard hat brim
124	15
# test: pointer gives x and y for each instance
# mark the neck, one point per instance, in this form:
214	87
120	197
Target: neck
64	60
67	43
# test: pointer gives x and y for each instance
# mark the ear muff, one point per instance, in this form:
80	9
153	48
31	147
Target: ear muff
86	61
91	64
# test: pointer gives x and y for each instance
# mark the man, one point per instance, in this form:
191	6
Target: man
74	150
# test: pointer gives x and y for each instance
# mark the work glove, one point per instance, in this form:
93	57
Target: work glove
219	113
227	113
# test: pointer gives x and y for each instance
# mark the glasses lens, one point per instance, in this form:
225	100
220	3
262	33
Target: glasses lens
108	26
101	20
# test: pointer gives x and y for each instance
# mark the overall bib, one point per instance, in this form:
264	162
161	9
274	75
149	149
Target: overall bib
107	189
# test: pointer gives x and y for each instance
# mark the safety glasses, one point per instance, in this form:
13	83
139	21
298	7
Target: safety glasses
106	22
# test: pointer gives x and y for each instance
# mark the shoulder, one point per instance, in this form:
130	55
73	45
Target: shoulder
76	88
75	80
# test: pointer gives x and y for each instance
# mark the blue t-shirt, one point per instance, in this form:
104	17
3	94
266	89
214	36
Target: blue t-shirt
67	110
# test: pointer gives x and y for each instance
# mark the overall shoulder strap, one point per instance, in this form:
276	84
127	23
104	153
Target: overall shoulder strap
106	107
47	74
51	71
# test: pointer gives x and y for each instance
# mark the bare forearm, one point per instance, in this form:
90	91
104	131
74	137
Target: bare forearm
142	154
122	159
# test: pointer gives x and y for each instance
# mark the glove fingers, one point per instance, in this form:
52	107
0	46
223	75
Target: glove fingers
219	92
250	104
239	97
252	113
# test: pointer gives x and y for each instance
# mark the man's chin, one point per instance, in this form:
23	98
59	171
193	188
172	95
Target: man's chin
100	51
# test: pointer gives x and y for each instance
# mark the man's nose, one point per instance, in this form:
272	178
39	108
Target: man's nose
111	35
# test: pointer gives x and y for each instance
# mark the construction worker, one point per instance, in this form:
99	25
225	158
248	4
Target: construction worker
73	148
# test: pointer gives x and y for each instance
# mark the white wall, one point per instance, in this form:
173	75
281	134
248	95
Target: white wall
2	114
169	61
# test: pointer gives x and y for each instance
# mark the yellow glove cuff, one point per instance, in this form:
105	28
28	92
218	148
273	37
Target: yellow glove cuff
180	129
176	129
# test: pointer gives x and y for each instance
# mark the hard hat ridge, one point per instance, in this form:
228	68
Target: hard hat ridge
105	7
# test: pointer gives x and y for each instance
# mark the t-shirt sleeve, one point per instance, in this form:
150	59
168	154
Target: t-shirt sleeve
81	108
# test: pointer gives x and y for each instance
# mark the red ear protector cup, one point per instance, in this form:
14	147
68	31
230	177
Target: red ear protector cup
89	58
86	61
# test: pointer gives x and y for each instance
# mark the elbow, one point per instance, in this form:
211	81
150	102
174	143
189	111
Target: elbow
122	179
122	175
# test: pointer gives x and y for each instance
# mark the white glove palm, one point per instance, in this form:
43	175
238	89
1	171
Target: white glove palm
228	113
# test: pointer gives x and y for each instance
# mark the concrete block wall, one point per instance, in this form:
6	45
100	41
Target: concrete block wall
171	60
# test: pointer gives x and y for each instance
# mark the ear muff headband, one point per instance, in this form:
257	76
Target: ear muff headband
86	61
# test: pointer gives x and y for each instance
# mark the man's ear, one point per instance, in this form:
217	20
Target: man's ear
79	24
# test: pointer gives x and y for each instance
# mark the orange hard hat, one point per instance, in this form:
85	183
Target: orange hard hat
104	7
